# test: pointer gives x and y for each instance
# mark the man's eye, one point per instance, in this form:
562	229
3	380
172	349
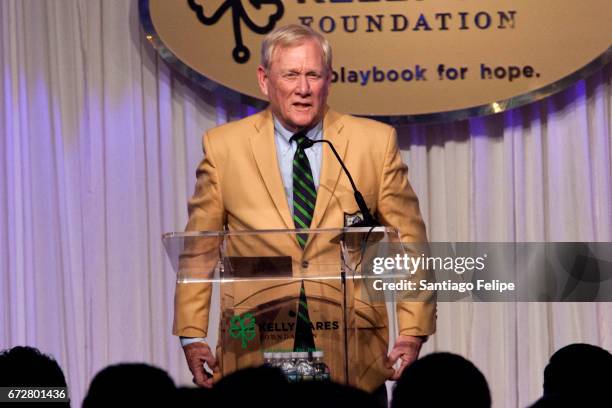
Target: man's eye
291	75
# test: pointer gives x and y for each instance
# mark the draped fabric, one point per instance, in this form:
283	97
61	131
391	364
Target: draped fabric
99	141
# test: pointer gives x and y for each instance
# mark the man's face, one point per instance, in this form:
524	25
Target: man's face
296	84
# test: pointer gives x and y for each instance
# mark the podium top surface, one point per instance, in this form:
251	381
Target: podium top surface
345	230
201	256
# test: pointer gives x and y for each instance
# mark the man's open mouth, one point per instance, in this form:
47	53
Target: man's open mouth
302	105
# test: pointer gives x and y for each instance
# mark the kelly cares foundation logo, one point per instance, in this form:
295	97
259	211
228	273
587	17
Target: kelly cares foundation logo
239	16
397	60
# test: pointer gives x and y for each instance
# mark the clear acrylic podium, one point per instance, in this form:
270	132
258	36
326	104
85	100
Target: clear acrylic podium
277	297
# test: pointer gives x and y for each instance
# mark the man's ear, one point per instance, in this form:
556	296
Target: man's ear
262	79
330	76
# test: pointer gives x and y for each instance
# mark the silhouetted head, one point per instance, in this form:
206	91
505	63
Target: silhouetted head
441	380
28	367
141	384
194	397
256	386
551	401
327	394
579	372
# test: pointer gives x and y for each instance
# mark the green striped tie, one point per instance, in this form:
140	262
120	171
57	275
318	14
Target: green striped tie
304	191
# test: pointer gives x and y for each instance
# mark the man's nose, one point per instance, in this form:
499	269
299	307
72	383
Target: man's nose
303	87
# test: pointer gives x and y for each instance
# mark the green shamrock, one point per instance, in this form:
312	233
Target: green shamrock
243	327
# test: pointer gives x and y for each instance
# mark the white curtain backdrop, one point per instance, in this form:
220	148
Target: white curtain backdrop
99	141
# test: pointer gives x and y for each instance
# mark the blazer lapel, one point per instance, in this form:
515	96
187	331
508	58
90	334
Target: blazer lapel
330	168
264	150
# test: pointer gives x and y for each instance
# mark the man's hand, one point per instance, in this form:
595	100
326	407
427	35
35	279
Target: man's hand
197	354
406	349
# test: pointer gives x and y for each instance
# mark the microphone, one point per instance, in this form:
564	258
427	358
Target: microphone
368	219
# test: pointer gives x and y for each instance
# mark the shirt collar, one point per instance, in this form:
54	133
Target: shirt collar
314	133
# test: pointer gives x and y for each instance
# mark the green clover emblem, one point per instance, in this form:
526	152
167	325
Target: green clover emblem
243	327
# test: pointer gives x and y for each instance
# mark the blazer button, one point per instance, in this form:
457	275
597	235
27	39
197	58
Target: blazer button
304	264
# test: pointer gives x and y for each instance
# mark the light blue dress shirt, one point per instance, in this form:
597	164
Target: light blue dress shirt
285	150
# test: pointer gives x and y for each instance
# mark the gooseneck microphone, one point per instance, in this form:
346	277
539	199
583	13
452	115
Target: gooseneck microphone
368	219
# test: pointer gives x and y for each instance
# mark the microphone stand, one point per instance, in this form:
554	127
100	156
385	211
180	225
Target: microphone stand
368	221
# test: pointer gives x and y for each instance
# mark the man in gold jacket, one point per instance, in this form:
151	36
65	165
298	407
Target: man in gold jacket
244	183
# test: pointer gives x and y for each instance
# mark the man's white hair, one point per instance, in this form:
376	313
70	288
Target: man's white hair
292	35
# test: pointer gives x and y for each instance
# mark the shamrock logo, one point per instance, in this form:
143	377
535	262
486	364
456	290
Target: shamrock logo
240	53
243	327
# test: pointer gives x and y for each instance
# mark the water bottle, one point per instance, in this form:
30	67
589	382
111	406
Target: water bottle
288	367
305	370
321	369
268	359
277	359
